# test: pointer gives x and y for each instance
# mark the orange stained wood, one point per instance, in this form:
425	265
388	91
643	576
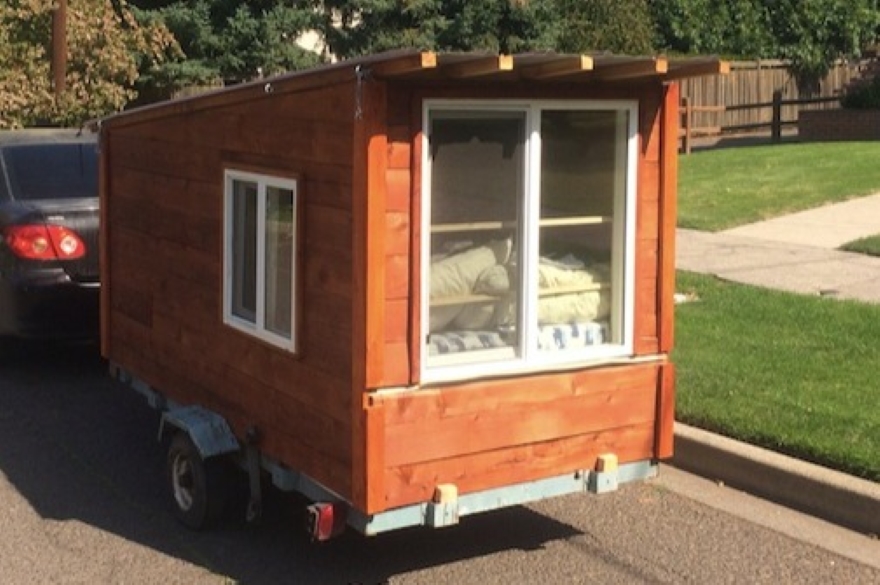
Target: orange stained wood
399	149
646	342
370	490
668	216
665	413
482	416
370	162
410	484
473	397
432	439
399	190
415	254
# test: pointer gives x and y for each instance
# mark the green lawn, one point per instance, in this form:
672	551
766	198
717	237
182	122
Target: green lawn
797	374
869	246
727	187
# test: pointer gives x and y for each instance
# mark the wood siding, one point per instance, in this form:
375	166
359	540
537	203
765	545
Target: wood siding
487	434
163	317
493	433
357	153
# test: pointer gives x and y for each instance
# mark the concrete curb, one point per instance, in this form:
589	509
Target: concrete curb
824	493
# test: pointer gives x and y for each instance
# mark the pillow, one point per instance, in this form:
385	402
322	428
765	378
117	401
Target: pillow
552	275
573	307
493	281
457	275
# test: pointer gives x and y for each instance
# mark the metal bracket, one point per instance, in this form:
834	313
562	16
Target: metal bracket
363	74
209	431
602	482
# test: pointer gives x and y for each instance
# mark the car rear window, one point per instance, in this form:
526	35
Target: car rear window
51	171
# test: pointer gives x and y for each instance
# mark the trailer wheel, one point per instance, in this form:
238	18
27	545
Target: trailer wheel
197	487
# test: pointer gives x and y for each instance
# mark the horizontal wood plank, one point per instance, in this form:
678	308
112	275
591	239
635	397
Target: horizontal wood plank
449	437
410	484
518	393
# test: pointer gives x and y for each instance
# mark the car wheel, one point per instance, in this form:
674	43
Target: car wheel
197	487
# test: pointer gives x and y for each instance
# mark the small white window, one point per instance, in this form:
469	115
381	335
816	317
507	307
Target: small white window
259	270
529	217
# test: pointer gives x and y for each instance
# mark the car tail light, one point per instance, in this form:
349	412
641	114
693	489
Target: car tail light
44	242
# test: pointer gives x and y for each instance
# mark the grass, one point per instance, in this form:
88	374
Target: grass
796	374
869	246
727	187
793	373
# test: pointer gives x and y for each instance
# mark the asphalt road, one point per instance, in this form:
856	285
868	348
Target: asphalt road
81	501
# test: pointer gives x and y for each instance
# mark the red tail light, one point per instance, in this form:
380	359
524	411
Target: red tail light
44	242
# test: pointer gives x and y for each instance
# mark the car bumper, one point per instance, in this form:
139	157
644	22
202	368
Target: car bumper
49	308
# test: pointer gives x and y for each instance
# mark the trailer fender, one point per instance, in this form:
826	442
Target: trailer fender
209	431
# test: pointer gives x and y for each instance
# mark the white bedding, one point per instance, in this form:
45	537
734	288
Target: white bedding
566	320
550	338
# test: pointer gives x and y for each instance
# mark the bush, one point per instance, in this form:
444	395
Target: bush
864	96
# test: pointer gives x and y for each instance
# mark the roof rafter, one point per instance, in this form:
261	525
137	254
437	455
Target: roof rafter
697	68
617	70
406	64
557	67
478	66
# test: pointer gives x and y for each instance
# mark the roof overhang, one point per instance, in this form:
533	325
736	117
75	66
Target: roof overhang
410	65
539	67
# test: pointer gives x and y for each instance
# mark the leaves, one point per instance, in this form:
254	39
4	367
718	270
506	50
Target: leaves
812	34
105	48
118	49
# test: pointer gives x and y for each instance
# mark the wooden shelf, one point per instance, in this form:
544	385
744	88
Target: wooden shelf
584	220
468	300
578	288
544	292
483	226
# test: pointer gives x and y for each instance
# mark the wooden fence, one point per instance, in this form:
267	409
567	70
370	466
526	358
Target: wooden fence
777	123
757	96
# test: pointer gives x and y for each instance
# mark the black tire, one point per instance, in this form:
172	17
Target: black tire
197	488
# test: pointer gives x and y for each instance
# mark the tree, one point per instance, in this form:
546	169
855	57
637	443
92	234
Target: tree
229	40
619	26
812	34
105	47
733	27
815	33
357	27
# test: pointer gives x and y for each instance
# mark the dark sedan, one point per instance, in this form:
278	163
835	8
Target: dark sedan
49	277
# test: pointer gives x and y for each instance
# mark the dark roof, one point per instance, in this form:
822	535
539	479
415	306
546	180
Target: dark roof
604	67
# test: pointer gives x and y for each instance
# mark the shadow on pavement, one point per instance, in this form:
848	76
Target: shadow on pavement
77	445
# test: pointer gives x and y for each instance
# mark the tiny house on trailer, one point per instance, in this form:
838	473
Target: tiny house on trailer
410	286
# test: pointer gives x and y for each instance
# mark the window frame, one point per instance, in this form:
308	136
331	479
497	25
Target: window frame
260	327
527	359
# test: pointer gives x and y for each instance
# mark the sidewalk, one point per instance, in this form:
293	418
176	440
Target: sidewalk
795	253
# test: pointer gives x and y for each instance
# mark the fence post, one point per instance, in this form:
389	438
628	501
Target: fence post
686	107
776	126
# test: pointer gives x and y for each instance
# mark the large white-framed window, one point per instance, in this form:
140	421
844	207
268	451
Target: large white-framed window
259	259
528	235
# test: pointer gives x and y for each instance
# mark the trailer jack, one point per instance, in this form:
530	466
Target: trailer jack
324	520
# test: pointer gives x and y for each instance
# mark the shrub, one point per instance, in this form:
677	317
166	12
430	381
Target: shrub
863	96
